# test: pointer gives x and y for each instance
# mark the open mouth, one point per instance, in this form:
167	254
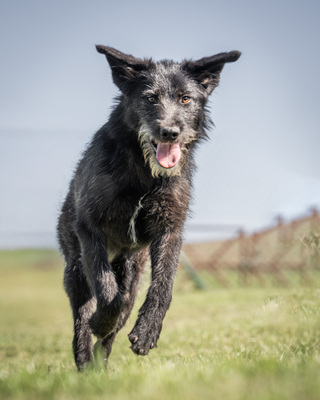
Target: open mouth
168	154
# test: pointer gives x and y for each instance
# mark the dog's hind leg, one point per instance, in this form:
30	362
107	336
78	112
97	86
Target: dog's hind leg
82	304
76	285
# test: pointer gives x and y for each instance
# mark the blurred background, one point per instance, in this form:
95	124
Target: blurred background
263	157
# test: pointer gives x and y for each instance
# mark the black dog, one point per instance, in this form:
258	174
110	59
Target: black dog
129	198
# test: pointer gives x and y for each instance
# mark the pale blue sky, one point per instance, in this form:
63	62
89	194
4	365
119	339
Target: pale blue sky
56	91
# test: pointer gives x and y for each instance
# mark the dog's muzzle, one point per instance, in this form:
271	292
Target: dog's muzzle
164	158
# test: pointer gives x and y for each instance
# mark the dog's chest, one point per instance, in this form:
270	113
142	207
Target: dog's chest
150	216
158	213
132	230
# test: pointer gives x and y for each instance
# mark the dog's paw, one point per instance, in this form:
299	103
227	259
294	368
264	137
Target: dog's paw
102	325
143	339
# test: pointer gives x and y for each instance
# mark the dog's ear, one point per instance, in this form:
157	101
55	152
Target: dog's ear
124	67
206	71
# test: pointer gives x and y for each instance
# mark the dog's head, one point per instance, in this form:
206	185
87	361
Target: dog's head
165	103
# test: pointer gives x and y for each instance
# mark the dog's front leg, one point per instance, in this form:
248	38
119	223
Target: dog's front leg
102	281
164	259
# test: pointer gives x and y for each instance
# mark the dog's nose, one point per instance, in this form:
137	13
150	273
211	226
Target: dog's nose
170	134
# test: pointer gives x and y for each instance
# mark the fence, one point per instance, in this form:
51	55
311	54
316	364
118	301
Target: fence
291	246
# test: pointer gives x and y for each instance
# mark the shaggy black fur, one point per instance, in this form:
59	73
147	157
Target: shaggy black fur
129	198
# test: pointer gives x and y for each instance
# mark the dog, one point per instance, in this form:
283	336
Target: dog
129	198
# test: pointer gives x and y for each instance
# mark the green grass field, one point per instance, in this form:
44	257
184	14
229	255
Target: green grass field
237	343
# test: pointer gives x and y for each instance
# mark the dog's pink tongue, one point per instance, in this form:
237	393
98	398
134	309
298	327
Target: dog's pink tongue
168	155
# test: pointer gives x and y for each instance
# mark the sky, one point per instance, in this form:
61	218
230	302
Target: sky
262	159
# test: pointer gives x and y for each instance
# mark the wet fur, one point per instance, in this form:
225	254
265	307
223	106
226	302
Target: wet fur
123	207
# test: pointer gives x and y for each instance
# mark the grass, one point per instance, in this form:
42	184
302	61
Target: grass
237	343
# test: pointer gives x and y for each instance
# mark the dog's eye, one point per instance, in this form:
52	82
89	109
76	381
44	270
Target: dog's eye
152	99
185	99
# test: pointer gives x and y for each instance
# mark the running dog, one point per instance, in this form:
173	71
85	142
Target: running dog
129	198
